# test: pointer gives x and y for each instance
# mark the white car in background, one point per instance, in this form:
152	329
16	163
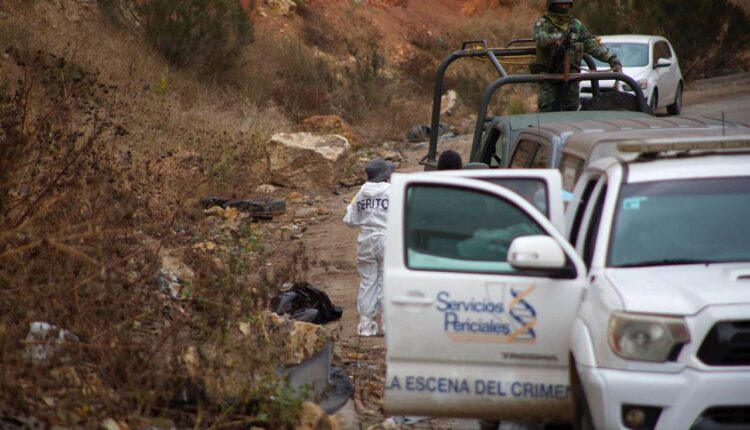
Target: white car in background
650	61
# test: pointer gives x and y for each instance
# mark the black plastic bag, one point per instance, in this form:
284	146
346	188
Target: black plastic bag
304	302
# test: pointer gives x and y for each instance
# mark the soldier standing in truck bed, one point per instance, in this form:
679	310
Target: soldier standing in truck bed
555	33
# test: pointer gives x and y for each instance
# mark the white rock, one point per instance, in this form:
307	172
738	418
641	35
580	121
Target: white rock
448	102
284	7
265	189
307	160
44	340
306	212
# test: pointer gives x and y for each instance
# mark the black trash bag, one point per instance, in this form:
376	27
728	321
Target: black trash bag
258	208
212	201
261	209
304	302
420	133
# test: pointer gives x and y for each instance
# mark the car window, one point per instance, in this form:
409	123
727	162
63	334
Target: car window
532	190
540	158
486	146
630	54
661	50
571	168
462	230
524	152
497	150
667	50
491	148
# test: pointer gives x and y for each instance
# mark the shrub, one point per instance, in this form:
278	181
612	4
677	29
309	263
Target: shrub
207	34
305	81
707	35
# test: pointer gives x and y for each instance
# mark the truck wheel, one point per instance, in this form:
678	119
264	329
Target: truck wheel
585	422
654	102
581	413
676	107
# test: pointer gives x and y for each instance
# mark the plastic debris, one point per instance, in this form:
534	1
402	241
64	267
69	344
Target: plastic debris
44	340
304	302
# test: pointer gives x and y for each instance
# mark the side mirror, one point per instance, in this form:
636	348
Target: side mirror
536	252
662	62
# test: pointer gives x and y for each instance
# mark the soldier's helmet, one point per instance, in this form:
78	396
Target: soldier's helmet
551	2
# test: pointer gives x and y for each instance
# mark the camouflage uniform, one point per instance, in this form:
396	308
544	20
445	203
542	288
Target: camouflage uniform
549	59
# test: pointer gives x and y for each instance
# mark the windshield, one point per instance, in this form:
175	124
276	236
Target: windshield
630	54
682	222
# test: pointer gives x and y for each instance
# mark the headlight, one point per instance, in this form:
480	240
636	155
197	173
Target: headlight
643	83
646	337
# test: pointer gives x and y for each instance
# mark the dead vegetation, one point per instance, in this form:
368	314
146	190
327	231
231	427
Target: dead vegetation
87	224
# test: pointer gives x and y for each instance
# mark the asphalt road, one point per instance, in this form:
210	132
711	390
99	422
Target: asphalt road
729	95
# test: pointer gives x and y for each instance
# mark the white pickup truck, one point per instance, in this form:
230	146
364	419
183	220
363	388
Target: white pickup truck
637	317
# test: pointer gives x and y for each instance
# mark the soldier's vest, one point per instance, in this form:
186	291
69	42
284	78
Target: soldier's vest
551	60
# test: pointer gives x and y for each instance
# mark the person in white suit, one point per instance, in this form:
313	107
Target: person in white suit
368	210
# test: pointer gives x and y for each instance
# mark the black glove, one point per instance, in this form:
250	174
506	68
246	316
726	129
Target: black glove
568	37
615	64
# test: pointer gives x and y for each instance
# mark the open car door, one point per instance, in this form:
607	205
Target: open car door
481	290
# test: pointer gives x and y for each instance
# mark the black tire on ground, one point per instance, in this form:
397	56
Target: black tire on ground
654	101
676	107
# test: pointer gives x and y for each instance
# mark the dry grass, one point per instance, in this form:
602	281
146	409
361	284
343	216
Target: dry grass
100	173
78	252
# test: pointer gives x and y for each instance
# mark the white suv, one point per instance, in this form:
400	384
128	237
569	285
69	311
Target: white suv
650	61
641	320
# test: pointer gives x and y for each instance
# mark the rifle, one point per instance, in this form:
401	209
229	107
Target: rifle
560	61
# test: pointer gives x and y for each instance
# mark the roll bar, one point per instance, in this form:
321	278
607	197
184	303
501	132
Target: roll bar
529	79
479	49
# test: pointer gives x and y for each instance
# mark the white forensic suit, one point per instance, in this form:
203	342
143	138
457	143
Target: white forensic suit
368	210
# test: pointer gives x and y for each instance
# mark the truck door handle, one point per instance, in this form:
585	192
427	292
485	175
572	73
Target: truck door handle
410	300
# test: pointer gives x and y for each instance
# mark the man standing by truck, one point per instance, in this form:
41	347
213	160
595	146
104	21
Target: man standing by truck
558	34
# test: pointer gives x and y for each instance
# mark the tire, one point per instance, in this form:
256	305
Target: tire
676	107
582	414
586	422
654	105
